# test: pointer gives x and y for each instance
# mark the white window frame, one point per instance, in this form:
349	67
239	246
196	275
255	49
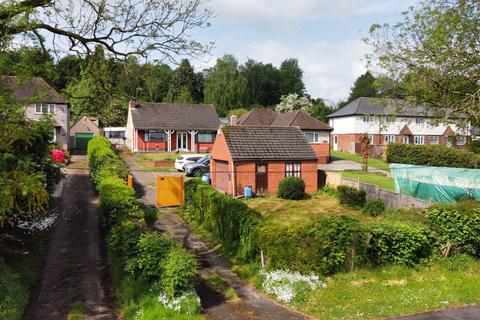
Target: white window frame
389	138
419	120
462	142
293	169
367	118
389	119
420	140
42	108
202	134
316	137
370	138
435	138
405	140
54	139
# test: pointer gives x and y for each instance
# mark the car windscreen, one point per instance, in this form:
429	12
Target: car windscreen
203	159
192	158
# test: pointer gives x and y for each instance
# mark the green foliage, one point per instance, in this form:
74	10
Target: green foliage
374	207
399	243
152	250
150	215
229	221
474	146
323	246
458	226
364	86
432	155
292	188
291	78
351	197
179	272
123	239
13	294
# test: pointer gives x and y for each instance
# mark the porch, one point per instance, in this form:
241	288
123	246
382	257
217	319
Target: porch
169	140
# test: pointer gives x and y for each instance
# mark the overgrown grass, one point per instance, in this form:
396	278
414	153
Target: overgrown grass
377	163
77	310
216	282
393	291
378	179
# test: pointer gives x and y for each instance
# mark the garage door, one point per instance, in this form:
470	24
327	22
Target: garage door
81	140
222	176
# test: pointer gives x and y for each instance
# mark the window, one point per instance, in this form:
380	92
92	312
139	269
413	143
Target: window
370	138
115	134
406	140
389	138
367	118
433	139
54	138
154	136
205	137
461	140
389	119
292	169
312	137
419	120
44	108
418	139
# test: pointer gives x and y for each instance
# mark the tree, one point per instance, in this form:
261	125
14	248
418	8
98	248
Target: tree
433	55
67	70
123	28
184	96
291	78
28	62
293	102
262	83
320	110
224	85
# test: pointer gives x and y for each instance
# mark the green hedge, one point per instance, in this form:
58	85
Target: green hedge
229	221
351	197
432	155
474	146
374	207
291	188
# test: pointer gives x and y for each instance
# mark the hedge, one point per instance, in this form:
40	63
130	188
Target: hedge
229	221
351	197
291	188
474	146
432	155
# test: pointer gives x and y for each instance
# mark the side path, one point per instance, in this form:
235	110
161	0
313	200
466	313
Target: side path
251	304
76	267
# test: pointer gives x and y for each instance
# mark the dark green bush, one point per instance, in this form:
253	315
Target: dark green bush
458	226
291	188
351	197
229	221
324	246
474	146
399	243
374	207
150	215
432	155
152	251
123	239
179	272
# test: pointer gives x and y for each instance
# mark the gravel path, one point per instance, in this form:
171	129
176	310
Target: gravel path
251	303
76	269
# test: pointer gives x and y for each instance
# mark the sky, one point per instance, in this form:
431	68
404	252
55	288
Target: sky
324	35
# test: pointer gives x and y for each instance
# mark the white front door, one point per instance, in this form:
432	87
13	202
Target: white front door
182	141
335	143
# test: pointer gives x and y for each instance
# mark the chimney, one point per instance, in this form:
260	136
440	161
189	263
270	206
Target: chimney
132	104
233	120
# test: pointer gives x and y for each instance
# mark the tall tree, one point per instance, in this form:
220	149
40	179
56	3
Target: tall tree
293	102
28	62
320	110
291	77
68	69
433	55
364	86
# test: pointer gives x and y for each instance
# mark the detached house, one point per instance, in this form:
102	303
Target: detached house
39	99
316	132
260	157
170	126
392	121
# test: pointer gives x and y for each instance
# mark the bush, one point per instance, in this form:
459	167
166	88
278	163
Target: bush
432	155
150	215
351	197
179	271
291	188
152	250
123	239
374	207
458	226
399	243
474	146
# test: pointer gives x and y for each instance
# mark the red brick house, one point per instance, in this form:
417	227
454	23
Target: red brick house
261	156
170	126
316	132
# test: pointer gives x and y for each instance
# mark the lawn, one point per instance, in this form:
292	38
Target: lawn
377	163
392	291
378	179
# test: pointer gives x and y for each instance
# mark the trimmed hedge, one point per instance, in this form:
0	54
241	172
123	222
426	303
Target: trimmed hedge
374	207
432	155
291	188
229	221
474	146
351	197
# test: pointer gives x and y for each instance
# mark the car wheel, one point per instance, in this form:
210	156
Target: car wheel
197	173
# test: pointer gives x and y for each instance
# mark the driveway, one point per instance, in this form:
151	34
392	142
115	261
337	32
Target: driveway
465	313
342	165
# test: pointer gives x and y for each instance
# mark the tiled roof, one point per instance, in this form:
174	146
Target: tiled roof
175	116
267	143
268	117
24	89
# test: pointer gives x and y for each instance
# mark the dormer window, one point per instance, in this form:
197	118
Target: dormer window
367	118
44	108
419	120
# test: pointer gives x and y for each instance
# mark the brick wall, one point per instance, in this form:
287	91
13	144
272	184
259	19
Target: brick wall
322	150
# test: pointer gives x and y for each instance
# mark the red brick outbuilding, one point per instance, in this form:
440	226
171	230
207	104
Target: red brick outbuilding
260	157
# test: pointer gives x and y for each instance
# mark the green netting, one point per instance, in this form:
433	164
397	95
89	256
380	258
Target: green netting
436	184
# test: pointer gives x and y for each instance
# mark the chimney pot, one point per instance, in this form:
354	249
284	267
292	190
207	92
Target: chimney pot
132	104
233	120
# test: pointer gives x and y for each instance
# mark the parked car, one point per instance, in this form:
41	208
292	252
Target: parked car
198	168
181	161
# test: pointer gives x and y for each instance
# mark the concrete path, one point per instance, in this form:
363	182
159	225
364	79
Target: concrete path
251	304
76	268
342	165
464	313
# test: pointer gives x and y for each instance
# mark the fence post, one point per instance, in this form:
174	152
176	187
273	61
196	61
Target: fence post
130	181
262	259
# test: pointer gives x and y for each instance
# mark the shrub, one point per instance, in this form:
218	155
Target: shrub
291	188
179	271
152	250
432	155
150	215
458	226
399	243
351	197
374	207
123	239
474	146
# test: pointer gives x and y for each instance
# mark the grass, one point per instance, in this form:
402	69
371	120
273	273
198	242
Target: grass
377	163
77	310
216	282
374	178
393	291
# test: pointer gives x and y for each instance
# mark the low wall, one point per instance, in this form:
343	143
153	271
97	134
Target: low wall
391	199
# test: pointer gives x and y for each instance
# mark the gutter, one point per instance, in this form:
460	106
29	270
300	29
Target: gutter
233	179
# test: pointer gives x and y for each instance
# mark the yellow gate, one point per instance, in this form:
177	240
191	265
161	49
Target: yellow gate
169	191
